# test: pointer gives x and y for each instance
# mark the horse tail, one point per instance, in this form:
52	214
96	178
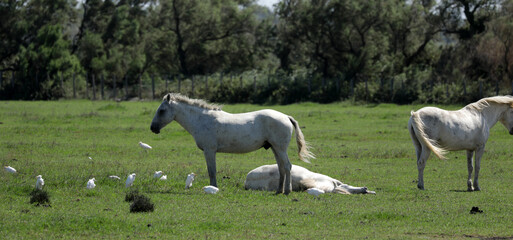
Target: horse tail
418	127
303	148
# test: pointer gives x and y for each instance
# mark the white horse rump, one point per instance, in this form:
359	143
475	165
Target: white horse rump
436	130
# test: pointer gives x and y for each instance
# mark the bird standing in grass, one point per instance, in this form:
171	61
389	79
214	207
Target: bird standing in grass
40	182
157	174
10	169
130	180
190	179
90	183
210	189
144	145
315	191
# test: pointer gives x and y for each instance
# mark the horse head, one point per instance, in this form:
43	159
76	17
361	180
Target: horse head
164	115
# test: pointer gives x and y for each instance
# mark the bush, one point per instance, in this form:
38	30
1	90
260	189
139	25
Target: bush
131	195
141	203
39	197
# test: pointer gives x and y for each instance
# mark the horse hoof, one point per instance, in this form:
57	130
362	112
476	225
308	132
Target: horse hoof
420	187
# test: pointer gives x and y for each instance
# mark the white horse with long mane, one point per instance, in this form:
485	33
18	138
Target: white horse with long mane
215	131
436	130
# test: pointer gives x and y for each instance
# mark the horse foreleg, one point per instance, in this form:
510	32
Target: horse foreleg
470	155
479	154
210	157
421	164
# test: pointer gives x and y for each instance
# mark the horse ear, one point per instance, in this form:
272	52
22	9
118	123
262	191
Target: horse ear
167	97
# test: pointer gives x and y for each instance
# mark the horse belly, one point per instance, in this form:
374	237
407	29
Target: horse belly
458	139
240	143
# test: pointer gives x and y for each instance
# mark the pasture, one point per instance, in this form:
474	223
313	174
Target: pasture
361	145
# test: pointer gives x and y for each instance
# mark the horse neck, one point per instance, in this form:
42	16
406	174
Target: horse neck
493	113
187	116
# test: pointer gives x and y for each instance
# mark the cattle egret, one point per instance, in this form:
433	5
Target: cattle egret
163	177
190	179
40	182
315	191
90	183
144	145
157	174
90	158
210	189
130	180
114	177
10	169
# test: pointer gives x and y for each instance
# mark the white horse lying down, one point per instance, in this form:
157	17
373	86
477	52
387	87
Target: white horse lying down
266	178
437	130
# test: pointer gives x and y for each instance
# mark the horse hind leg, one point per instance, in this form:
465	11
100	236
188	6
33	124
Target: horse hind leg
421	164
422	154
470	169
284	167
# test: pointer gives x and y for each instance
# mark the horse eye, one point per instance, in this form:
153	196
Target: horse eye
161	111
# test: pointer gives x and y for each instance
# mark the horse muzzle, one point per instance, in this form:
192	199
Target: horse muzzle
155	129
511	131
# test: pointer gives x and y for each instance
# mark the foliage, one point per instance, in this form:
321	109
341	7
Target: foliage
336	42
142	203
39	197
131	195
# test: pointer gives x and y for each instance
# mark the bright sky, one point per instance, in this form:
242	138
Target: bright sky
267	3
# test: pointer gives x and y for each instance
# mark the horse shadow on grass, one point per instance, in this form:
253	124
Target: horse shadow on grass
458	190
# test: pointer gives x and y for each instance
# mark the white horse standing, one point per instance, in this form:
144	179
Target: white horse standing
217	131
437	130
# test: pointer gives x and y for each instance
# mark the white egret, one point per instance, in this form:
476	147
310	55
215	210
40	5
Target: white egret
10	169
157	174
144	145
315	191
210	189
163	177
90	183
40	182
190	179
130	180
114	177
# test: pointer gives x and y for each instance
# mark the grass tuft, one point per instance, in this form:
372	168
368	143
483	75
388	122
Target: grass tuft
39	197
142	204
131	195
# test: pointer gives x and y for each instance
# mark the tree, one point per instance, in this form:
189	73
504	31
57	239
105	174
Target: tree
333	37
208	36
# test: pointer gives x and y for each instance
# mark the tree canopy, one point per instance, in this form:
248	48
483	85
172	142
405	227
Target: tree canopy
420	41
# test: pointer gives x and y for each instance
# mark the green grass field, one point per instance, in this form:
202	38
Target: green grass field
361	145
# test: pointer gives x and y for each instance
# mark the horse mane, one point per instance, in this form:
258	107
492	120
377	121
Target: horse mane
485	102
194	102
